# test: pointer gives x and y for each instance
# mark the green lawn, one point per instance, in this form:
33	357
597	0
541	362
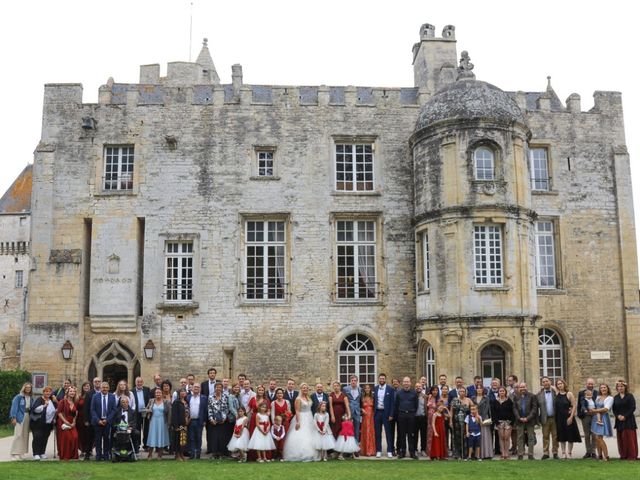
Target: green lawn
6	430
334	470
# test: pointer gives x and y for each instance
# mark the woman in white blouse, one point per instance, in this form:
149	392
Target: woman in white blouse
43	416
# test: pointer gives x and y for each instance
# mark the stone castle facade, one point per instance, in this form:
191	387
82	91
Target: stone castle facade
319	231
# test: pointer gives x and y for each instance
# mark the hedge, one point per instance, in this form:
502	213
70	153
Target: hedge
11	382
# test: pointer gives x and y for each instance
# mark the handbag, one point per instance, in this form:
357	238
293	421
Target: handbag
488	421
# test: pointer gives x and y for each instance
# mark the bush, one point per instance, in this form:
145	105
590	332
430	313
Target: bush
11	382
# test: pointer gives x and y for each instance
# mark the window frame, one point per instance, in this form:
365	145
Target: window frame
376	243
119	169
183	287
532	168
19	279
492	151
553	235
430	365
256	169
354	142
266	244
545	348
500	230
357	354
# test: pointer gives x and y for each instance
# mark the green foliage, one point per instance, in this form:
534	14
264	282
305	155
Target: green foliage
11	382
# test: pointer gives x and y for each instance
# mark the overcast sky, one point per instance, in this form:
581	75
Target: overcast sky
584	46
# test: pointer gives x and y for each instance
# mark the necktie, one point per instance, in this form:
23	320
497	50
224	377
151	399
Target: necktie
104	406
522	406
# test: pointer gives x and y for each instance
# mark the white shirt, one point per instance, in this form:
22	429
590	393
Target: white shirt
124	416
194	406
51	413
140	399
245	398
380	400
355	392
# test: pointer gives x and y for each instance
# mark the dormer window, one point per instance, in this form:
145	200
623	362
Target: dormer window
484	163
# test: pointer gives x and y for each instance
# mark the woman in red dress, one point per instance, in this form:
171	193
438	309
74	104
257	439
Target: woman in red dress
338	406
67	416
83	425
281	407
367	432
438	450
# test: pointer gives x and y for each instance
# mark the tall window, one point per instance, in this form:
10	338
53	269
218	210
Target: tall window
19	279
356	259
265	260
545	255
430	365
354	167
483	159
539	169
425	260
488	255
550	354
357	356
118	168
265	163
179	272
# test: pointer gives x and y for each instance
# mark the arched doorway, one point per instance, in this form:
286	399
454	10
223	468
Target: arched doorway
114	362
492	363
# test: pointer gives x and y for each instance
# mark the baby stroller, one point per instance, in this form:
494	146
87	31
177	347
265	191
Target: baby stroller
122	449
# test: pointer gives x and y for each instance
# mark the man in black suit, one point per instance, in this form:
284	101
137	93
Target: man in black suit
198	409
319	397
87	414
208	386
405	408
525	411
141	397
291	394
271	391
586	418
123	413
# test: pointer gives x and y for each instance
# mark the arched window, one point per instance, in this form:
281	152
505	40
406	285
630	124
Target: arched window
483	160
430	365
357	356
550	354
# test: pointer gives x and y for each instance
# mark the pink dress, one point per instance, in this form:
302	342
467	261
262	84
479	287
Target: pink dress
431	409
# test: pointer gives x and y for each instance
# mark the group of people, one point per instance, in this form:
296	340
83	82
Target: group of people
269	423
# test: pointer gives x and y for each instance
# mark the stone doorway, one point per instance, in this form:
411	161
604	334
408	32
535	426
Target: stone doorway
492	363
113	374
114	362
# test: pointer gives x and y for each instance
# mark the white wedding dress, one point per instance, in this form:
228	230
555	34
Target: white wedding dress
298	444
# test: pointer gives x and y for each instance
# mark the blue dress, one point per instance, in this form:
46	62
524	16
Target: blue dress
605	428
158	430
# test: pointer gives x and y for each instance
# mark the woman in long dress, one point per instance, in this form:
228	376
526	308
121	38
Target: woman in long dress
298	444
566	426
158	411
484	409
19	415
338	406
367	430
431	399
83	424
67	415
624	406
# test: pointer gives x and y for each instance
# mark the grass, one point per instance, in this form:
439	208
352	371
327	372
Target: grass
6	430
335	470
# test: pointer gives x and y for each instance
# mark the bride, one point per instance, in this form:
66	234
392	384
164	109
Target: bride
298	443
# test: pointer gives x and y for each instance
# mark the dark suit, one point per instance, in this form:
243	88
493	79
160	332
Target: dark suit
271	395
142	425
381	418
292	400
315	402
204	388
196	425
87	418
525	407
102	433
131	415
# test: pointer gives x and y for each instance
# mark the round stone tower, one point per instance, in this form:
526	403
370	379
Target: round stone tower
476	301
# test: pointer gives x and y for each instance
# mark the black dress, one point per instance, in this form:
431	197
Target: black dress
566	433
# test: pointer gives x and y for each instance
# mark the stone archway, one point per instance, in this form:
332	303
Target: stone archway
115	361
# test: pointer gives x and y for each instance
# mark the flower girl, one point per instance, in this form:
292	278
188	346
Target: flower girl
323	438
261	440
240	439
346	442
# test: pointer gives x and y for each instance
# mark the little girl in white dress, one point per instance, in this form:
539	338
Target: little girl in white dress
323	438
240	439
261	440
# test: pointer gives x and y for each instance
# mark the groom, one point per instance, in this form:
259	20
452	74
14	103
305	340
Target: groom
319	397
383	397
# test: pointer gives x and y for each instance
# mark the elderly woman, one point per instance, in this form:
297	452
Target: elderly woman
624	406
180	418
19	416
484	410
218	413
602	428
158	410
42	421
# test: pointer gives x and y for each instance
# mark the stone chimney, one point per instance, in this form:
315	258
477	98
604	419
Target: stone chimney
435	58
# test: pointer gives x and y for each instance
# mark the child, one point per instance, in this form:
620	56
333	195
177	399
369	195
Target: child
438	450
323	438
261	439
277	433
346	442
240	440
473	423
589	404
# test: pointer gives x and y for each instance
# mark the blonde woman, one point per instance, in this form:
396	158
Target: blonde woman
298	446
19	416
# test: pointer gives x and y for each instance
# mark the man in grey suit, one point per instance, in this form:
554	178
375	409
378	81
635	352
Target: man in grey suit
354	394
525	410
547	416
